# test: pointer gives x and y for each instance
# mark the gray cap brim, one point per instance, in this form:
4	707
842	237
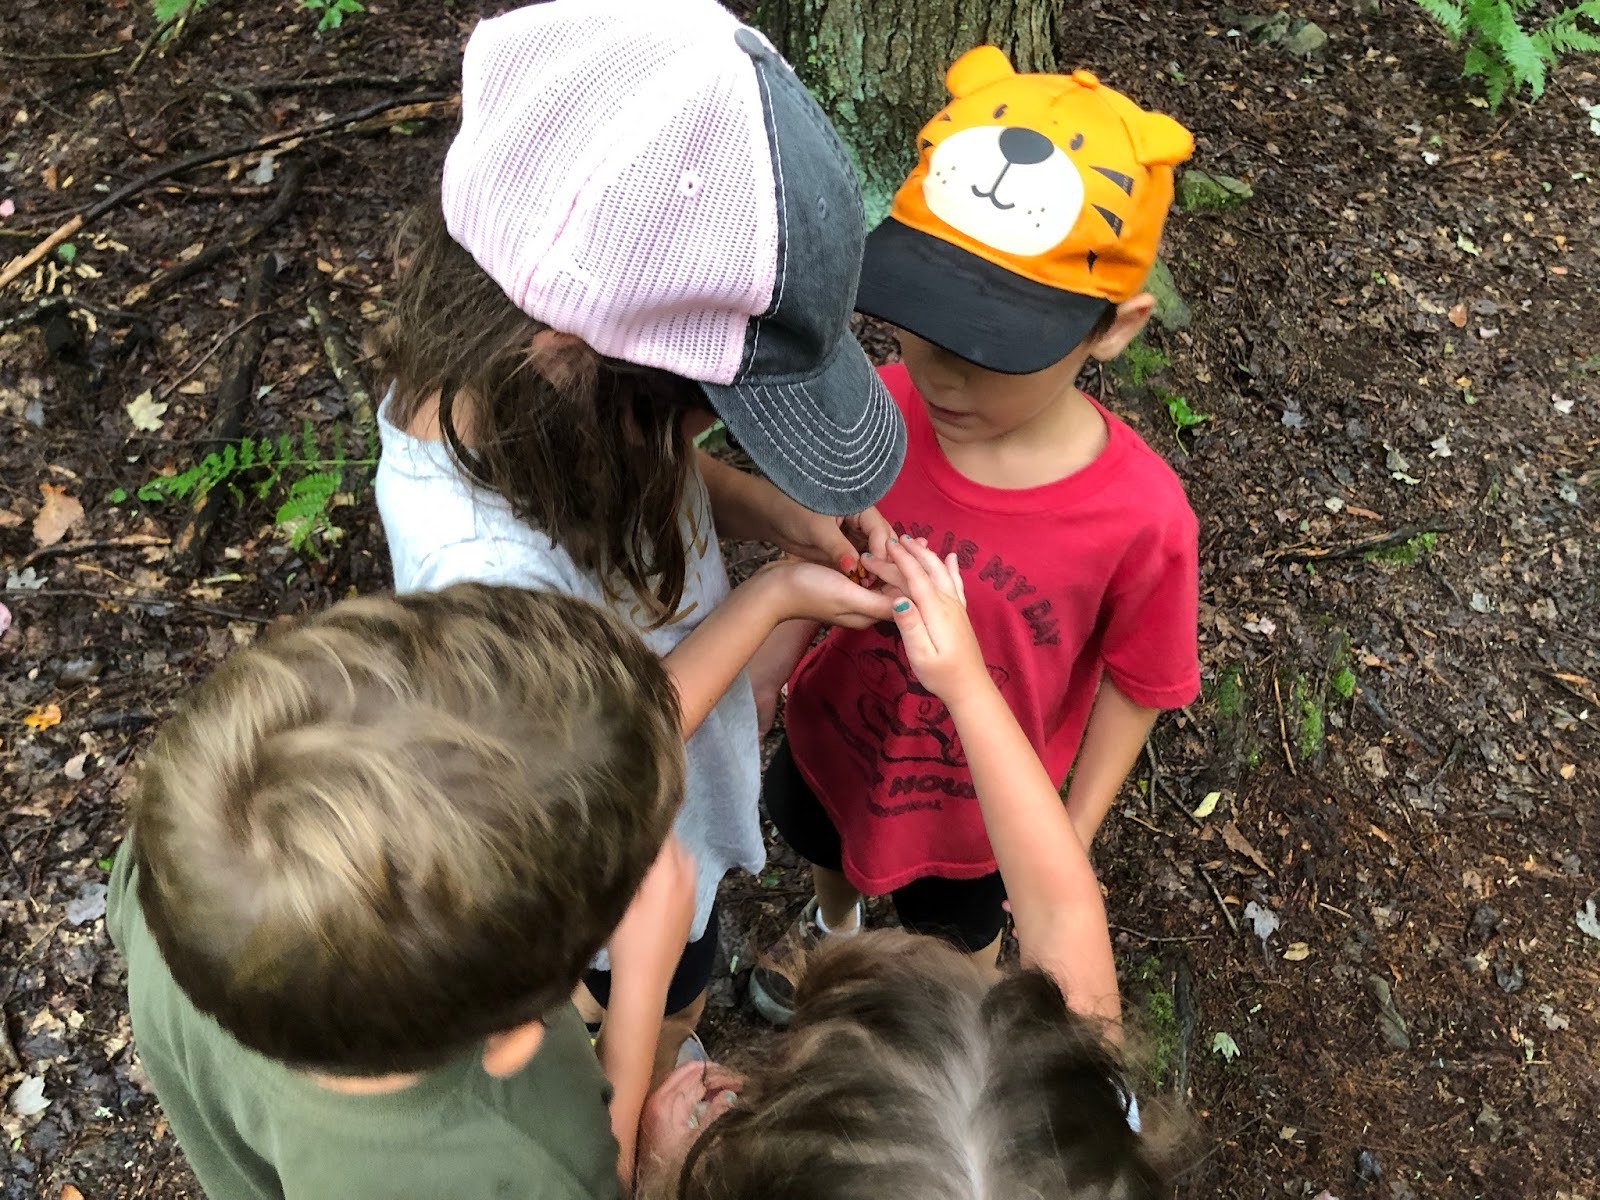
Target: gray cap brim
833	441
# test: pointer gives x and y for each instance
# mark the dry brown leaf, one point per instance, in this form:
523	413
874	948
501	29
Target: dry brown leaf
46	716
1458	316
1297	952
1239	844
68	1192
1568	770
1355	510
9	519
59	513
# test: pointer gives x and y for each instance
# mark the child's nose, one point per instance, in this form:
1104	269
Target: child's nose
1024	147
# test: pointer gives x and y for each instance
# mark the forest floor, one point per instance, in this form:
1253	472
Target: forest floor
1348	886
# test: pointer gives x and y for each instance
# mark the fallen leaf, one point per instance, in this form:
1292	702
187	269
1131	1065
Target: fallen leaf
73	767
1589	919
1568	770
90	905
9	519
1239	844
1458	316
1297	952
68	1192
145	412
59	513
1355	510
1264	920
1223	1044
1562	405
46	716
8	207
1208	805
28	1098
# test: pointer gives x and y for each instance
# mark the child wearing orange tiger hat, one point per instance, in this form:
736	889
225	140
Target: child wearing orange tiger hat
1015	252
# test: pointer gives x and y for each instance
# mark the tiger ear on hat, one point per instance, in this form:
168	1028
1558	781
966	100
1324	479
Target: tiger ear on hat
976	69
1159	141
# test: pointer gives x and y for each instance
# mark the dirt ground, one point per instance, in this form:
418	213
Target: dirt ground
1348	885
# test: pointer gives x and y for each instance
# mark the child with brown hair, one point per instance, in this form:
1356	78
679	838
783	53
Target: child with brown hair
367	864
912	1071
644	222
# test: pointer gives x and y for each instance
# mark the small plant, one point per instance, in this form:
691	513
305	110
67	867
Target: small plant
1309	730
1343	683
253	468
1406	552
1506	54
1141	360
170	10
333	11
1230	693
1183	417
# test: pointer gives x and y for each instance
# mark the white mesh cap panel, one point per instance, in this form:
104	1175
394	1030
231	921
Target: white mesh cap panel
612	174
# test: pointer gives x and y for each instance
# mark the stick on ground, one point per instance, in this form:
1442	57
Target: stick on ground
233	401
341	360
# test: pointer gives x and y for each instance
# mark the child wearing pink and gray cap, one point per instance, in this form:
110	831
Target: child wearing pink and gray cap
644	222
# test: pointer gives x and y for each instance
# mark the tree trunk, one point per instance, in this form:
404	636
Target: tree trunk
877	66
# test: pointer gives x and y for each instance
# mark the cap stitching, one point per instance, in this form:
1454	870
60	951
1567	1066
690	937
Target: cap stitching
770	120
870	442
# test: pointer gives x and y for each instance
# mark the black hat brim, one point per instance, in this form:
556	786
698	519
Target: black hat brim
969	306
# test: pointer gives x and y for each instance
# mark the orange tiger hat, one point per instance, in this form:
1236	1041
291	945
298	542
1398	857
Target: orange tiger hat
1037	203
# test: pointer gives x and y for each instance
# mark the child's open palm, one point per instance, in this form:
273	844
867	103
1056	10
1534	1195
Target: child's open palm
932	617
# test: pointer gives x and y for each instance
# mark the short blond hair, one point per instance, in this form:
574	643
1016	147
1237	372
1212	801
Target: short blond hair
406	823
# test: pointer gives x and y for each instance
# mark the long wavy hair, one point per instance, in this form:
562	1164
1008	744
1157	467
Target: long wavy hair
912	1074
588	450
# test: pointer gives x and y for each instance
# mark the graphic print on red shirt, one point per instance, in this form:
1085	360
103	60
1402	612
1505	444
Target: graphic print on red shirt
1095	572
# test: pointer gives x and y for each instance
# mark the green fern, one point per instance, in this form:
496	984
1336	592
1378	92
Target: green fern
309	474
1506	55
171	10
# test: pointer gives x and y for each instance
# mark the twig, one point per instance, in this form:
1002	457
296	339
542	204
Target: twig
20	265
233	398
1389	722
294	173
149	44
1217	895
204	157
136	601
336	345
47	304
62	549
279	87
1283	728
1355	549
1183	1002
1150	937
20	56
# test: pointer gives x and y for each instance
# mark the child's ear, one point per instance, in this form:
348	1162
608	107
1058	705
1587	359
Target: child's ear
1132	316
562	358
504	1054
977	68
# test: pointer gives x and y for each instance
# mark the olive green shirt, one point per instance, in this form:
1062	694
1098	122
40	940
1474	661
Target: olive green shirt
255	1130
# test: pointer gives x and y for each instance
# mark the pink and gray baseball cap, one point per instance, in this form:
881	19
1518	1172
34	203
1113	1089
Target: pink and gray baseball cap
650	176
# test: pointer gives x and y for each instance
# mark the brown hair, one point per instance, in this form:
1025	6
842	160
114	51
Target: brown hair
586	449
407	823
911	1074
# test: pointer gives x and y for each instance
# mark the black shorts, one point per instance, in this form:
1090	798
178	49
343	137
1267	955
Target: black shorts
690	978
965	912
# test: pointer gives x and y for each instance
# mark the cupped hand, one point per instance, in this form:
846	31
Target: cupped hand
932	617
831	541
819	593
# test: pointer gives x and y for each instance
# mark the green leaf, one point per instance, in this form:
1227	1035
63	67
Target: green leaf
67	252
118	495
1223	1044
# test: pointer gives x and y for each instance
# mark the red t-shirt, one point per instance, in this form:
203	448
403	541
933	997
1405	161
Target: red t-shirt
1095	571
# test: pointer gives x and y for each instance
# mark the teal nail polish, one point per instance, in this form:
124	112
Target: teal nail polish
866	554
902	605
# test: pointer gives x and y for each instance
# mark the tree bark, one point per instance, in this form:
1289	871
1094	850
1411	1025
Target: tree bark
877	66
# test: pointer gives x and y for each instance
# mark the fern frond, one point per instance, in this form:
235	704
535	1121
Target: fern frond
1448	15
